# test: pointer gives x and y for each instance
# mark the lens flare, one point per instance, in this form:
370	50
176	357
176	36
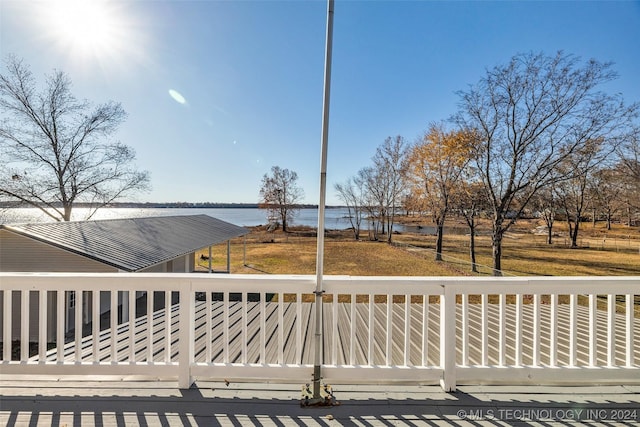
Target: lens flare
177	96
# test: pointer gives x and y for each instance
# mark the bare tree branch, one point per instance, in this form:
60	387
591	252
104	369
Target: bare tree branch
55	149
534	114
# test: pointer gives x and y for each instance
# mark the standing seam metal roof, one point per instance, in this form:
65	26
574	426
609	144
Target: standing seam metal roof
132	244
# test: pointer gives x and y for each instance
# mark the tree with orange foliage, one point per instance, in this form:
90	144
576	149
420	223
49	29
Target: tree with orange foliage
437	163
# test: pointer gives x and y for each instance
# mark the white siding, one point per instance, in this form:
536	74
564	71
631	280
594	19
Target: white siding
19	253
22	254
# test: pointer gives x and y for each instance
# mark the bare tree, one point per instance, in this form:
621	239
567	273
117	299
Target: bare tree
572	191
280	194
545	203
352	194
629	153
374	199
470	200
607	189
390	163
53	149
629	172
532	114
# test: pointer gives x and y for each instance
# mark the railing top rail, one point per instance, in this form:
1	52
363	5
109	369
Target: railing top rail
333	284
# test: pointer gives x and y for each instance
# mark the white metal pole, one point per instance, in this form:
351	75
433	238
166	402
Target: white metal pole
321	206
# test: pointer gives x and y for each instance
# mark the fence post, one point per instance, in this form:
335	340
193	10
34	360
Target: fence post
186	334
448	338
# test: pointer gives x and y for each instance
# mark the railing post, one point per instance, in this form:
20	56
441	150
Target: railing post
448	338
7	314
186	331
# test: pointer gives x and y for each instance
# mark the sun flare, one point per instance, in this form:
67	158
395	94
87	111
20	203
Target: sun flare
84	26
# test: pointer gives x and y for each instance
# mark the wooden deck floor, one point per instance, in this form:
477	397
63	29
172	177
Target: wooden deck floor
155	403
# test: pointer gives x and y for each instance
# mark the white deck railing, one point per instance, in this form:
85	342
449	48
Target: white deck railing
376	329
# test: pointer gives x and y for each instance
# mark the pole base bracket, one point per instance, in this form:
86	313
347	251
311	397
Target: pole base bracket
326	397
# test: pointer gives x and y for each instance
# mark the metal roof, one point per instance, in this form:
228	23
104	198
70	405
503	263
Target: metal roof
132	244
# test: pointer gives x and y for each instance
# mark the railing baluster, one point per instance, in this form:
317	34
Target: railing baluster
425	330
280	328
352	324
263	339
334	330
572	328
24	325
114	326
593	330
518	337
95	325
132	326
371	330
553	331
465	329
536	330
389	347
60	324
167	326
245	326
485	330
298	359
78	325
43	314
407	329
225	331
150	317
611	330
7	339
502	337
208	339
629	330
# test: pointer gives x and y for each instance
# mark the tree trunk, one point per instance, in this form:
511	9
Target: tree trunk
550	234
67	212
549	219
594	216
574	234
496	248
440	230
496	245
472	248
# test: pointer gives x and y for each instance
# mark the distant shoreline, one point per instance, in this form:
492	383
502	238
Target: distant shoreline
169	205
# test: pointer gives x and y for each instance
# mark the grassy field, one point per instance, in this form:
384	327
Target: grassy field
602	252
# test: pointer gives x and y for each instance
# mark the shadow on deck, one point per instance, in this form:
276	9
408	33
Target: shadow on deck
213	403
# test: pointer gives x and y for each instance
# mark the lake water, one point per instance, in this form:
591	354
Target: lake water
335	218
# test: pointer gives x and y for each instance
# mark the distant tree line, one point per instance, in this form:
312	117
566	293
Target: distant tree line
535	134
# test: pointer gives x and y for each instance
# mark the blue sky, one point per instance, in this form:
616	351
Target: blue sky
217	92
